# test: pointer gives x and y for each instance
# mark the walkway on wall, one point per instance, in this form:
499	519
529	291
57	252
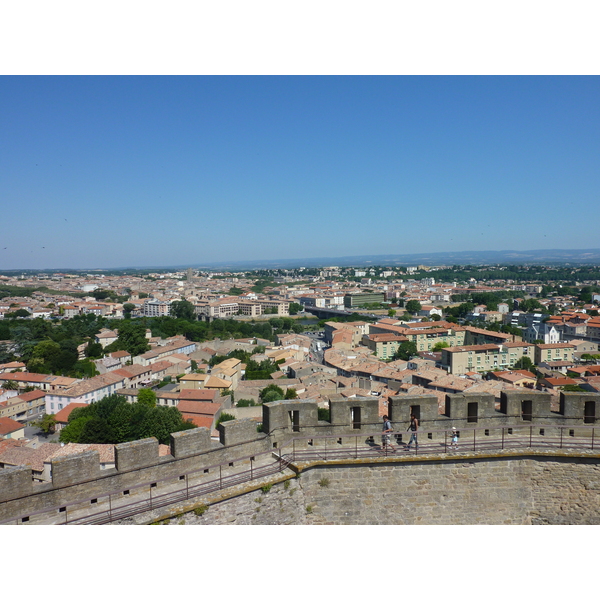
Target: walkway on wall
472	440
363	445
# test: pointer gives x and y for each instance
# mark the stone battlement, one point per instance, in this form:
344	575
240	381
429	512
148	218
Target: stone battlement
78	481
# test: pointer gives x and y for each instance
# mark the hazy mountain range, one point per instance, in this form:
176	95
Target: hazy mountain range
486	257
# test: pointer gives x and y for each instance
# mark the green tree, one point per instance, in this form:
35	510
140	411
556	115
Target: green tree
21	312
405	351
437	347
146	396
276	393
243	403
295	308
10	385
47	423
525	363
573	388
183	309
391	312
96	431
291	394
223	417
72	432
132	338
413	306
128	308
94	350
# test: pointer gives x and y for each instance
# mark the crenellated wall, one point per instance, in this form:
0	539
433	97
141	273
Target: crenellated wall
79	485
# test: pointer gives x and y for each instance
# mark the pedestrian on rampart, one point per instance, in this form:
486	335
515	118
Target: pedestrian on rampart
454	444
413	428
386	431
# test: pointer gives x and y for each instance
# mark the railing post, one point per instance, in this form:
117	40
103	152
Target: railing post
530	434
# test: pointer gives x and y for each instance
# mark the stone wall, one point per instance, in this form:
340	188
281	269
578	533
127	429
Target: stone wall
432	491
474	491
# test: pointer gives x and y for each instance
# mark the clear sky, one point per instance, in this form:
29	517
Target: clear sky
138	171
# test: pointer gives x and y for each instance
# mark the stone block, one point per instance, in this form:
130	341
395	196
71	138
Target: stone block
354	413
15	483
190	442
286	415
238	431
573	407
76	468
425	408
525	405
135	455
470	408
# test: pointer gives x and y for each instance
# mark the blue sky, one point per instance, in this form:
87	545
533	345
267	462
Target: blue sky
135	171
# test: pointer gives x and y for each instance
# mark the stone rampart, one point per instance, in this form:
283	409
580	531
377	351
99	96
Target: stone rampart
469	491
78	484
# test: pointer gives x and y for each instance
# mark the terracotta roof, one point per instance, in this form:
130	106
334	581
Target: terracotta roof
105	451
34	395
25	377
62	416
203	395
9	426
200	421
29	457
194	407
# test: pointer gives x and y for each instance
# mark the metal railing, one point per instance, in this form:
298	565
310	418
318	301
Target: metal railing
114	509
347	446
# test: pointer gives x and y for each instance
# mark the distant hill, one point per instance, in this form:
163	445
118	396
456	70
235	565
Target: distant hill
487	257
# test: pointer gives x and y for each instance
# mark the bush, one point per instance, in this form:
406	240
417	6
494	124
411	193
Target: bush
243	403
224	417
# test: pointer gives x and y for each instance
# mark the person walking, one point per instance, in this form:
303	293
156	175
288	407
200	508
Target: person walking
386	434
454	444
413	428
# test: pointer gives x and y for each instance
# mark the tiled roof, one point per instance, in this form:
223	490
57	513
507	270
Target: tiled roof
8	425
62	416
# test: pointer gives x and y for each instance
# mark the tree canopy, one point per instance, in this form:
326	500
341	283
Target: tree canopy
113	420
413	306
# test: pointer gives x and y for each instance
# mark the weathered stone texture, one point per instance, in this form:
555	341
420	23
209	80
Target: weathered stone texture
476	492
76	468
136	455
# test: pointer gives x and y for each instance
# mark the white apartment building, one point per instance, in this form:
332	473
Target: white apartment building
86	392
156	308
